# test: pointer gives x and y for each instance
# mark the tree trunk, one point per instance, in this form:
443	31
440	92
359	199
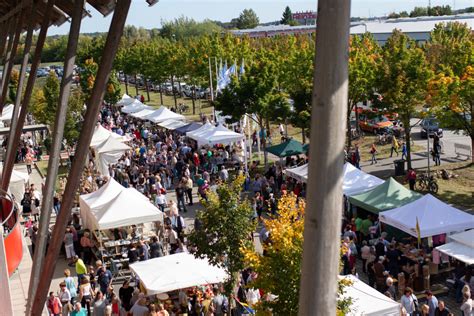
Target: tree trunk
136	84
408	142
126	85
472	148
194	99
174	94
161	94
147	90
303	135
349	127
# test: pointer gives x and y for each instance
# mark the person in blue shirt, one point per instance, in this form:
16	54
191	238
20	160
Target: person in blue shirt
432	302
78	310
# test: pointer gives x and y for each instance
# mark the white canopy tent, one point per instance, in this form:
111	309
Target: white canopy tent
141	114
367	301
434	217
172	124
200	131
7	112
126	100
460	246
217	135
135	106
109	152
174	272
163	114
18	180
113	206
101	134
355	181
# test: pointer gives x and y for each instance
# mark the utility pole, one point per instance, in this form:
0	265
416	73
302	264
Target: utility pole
318	294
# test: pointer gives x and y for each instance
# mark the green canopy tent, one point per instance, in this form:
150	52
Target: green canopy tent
386	196
289	148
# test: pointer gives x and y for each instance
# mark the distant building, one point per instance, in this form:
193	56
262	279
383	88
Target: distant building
305	18
418	28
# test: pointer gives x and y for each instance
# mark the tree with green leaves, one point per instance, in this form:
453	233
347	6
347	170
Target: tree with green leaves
364	59
247	19
44	107
404	74
183	27
225	226
287	17
451	92
257	93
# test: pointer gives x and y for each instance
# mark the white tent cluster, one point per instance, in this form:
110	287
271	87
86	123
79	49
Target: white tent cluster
114	206
460	246
18	180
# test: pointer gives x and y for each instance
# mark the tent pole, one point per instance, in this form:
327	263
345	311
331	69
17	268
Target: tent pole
323	212
93	107
55	154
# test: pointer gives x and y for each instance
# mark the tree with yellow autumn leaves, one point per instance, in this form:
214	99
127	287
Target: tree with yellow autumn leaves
279	268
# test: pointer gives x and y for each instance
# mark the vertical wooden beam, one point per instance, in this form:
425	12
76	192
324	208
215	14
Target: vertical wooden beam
54	157
11	36
3	38
15	137
21	80
8	67
318	293
82	149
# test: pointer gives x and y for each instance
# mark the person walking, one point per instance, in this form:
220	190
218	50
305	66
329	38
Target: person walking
188	185
411	178
65	298
395	146
357	157
432	302
373	152
54	305
404	151
180	198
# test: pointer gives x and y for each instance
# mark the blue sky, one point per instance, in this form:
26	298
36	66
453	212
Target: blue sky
224	10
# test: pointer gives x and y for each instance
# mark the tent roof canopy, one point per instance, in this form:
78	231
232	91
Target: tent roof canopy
178	271
163	114
126	100
112	144
188	127
172	124
386	196
299	173
101	134
461	247
289	148
135	106
217	135
142	113
434	217
114	206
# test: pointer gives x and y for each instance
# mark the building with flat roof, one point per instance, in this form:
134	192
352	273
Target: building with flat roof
417	28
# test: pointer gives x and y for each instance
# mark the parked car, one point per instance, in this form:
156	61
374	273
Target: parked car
376	124
430	126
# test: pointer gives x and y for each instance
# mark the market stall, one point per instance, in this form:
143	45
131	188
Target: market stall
199	131
109	152
354	181
126	100
385	196
217	135
113	207
143	113
460	246
174	272
172	124
7	113
433	216
101	134
289	148
367	301
18	180
163	114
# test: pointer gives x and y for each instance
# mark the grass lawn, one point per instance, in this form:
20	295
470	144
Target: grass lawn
458	191
43	168
202	106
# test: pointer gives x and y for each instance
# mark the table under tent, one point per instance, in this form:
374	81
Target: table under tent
112	208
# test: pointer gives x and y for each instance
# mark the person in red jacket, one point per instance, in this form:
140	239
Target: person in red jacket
411	178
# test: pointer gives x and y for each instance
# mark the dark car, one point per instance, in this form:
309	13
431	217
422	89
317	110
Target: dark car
430	126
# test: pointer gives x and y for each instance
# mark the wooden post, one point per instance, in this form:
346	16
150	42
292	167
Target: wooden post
55	154
324	200
90	119
15	137
3	38
21	80
9	56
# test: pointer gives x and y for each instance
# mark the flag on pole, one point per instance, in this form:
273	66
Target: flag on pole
418	232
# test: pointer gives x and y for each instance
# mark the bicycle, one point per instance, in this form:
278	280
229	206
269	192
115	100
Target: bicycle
427	183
